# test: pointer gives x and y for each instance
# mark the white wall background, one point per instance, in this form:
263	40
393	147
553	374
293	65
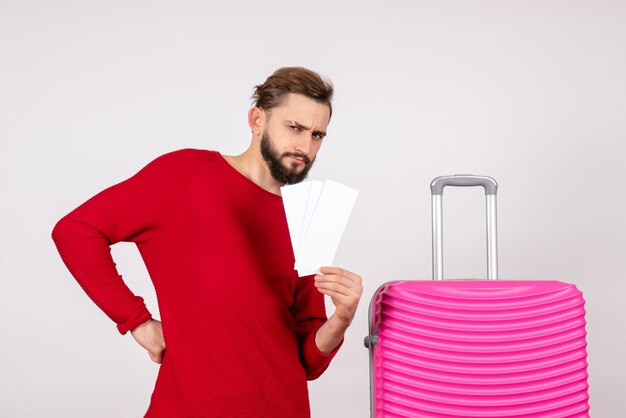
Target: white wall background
532	93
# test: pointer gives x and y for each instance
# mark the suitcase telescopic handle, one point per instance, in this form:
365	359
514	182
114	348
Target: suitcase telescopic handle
464	180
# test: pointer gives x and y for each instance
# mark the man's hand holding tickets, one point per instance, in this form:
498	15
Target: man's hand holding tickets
345	289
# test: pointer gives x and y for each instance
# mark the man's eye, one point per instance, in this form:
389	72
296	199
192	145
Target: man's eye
318	136
294	127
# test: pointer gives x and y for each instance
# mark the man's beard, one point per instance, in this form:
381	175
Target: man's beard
278	170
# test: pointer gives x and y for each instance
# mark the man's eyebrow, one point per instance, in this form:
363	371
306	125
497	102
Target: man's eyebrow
304	127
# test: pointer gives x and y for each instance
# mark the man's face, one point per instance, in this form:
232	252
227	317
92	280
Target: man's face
292	137
283	169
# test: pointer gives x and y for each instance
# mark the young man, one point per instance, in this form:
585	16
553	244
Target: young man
241	333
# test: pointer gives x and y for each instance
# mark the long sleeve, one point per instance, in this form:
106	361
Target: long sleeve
134	210
310	314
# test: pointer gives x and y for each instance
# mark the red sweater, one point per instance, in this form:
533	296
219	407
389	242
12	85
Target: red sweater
239	325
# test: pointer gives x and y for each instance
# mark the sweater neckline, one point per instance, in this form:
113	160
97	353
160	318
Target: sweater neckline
246	181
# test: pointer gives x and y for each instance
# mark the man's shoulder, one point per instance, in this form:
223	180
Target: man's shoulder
186	158
181	163
190	155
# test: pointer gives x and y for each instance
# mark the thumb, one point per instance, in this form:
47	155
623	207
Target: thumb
157	355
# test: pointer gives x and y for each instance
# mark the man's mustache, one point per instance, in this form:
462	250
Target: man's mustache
297	155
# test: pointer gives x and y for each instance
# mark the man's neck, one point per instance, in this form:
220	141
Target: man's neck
252	165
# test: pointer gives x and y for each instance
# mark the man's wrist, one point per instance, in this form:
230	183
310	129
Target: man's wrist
342	320
141	325
337	323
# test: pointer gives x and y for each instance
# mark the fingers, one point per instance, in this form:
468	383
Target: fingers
341	272
157	347
157	356
339	280
339	299
344	287
336	284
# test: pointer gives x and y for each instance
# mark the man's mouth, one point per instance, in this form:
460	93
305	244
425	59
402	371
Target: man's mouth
298	158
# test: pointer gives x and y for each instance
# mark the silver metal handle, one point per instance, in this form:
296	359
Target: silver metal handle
464	180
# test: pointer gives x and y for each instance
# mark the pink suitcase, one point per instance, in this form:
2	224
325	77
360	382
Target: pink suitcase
477	348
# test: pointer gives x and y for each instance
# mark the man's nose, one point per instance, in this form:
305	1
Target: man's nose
303	146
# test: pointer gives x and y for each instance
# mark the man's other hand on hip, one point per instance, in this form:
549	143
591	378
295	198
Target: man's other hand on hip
149	335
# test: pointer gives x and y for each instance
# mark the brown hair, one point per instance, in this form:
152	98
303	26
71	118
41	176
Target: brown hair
292	80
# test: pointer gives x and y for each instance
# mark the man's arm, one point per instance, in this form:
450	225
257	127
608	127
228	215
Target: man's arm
319	338
134	210
345	289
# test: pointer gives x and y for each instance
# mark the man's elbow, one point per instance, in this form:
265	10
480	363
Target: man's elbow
62	229
58	230
312	374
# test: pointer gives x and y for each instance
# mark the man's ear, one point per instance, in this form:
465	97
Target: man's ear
256	120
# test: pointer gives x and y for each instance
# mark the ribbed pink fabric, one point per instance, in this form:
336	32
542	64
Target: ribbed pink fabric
239	325
479	348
